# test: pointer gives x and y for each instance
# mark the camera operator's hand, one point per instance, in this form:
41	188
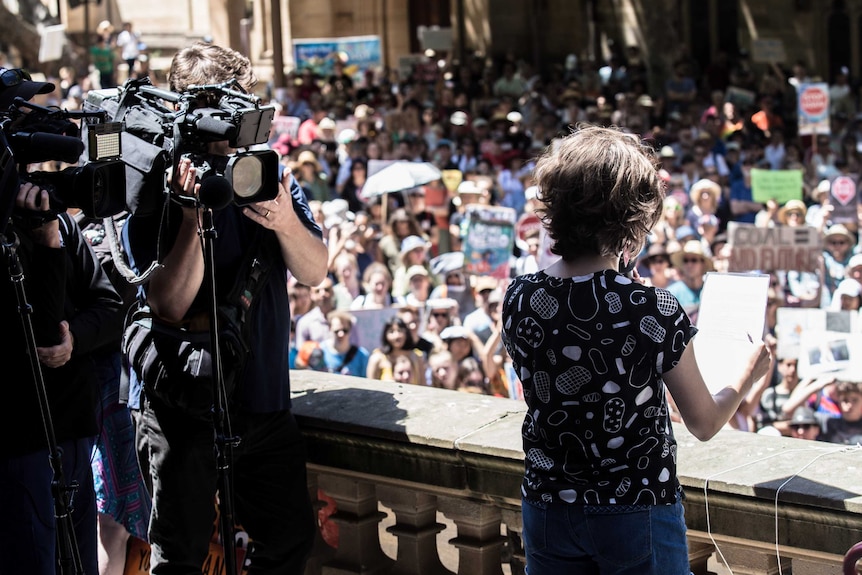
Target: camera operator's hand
34	199
304	253
58	355
183	183
276	214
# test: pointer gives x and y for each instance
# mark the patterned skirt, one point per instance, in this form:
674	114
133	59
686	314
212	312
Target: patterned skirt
120	489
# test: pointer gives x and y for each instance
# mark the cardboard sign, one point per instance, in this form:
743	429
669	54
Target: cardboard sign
489	240
771	249
778	185
844	198
793	322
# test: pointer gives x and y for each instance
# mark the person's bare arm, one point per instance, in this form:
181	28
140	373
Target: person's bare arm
705	413
174	285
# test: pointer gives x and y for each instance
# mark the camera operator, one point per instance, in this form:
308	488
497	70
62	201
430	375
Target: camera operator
71	299
268	467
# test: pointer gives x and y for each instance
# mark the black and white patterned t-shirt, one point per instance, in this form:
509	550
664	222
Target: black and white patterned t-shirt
590	352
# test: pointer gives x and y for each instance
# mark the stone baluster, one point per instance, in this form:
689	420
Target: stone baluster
321	552
698	556
515	533
416	529
479	541
358	519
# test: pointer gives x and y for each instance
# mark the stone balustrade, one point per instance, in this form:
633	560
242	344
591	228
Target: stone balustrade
759	505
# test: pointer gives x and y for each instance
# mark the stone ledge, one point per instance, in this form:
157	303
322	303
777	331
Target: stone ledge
450	442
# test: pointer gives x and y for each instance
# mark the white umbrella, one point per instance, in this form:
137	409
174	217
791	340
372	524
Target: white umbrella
400	176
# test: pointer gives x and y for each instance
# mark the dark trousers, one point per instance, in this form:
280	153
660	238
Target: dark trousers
28	530
271	499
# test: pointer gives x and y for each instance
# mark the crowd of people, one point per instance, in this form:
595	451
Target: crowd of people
394	260
401	250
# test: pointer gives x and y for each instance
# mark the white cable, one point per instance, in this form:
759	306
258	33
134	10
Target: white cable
708	479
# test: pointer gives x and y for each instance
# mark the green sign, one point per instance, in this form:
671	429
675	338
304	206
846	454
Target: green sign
778	185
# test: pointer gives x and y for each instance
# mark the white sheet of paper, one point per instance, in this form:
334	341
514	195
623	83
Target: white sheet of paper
730	321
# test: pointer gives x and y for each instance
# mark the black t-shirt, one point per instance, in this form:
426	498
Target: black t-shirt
590	352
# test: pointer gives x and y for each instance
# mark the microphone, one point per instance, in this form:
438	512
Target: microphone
215	192
41	147
215	127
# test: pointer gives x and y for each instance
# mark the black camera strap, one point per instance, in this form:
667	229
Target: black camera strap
253	271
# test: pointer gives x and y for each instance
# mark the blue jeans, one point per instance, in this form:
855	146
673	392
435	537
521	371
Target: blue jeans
573	539
28	530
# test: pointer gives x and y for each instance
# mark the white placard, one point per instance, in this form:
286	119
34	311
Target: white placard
730	321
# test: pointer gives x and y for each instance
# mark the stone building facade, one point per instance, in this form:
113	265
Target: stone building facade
824	34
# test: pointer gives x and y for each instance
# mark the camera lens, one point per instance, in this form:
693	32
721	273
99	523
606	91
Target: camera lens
247	176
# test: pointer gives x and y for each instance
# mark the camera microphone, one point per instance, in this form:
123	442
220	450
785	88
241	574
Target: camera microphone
31	148
215	192
215	128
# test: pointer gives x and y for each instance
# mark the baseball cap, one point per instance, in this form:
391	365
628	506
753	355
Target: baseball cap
416	271
803	415
447	262
455	332
485	283
16	83
410	243
855	261
441	303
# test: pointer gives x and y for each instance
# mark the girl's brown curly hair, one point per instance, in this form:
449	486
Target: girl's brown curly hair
600	191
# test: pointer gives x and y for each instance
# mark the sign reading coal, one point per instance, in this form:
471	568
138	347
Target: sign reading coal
770	249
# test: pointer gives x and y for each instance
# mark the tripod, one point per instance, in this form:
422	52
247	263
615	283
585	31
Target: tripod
69	557
224	440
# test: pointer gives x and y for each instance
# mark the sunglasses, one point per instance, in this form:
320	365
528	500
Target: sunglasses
802	426
692	260
659	261
13	77
442	314
838	242
341	332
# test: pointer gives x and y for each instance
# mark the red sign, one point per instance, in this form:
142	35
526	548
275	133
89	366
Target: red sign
814	101
844	190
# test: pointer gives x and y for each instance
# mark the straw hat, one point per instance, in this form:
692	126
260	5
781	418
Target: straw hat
704	185
839	230
792	206
308	157
691	248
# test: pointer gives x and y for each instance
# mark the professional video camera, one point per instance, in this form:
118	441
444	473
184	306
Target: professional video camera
163	127
33	134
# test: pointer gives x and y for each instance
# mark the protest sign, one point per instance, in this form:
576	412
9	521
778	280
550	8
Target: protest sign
778	185
813	108
792	322
369	326
489	240
823	352
843	197
359	52
770	249
767	50
285	125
